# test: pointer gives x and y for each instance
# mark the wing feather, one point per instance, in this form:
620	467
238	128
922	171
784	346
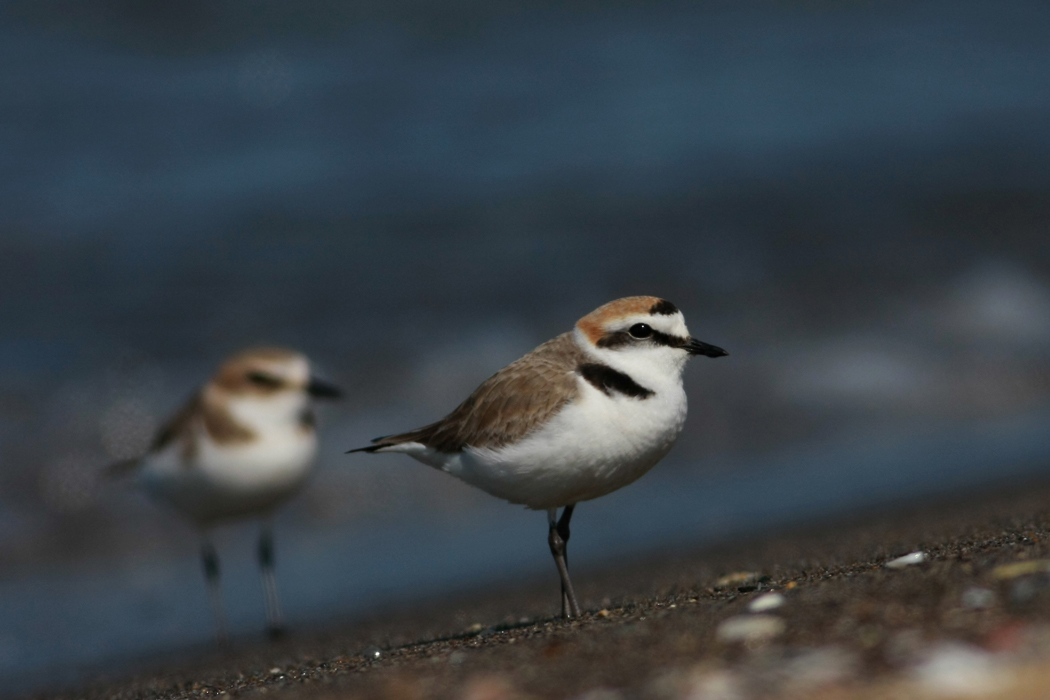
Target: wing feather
507	406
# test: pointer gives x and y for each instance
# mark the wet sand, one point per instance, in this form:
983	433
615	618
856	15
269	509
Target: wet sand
972	619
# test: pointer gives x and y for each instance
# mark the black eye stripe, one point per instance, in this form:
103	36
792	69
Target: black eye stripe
263	379
615	340
671	341
618	339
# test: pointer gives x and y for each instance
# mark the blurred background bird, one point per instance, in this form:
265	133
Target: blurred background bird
239	448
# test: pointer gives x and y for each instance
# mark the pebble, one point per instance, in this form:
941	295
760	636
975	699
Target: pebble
907	560
766	602
978	598
960	670
735	578
821	667
372	653
1020	568
702	682
1024	589
750	628
717	685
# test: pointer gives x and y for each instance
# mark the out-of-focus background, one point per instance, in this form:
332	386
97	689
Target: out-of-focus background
851	197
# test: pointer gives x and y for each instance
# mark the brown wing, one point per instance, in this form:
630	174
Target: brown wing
178	425
175	428
221	426
508	405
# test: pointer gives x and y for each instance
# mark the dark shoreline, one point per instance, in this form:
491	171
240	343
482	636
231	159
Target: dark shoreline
653	618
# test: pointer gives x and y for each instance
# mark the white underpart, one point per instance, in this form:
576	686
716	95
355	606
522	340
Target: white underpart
593	446
235	480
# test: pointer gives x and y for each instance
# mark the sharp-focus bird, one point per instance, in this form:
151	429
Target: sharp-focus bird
580	416
241	446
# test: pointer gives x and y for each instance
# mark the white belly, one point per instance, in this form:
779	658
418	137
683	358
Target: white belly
223	482
592	447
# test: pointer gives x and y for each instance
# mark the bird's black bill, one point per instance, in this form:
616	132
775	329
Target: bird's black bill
698	347
322	389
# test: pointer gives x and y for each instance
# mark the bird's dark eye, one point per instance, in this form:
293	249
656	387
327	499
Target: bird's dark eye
265	380
640	330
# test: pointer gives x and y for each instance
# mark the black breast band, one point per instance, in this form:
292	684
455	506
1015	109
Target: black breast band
608	380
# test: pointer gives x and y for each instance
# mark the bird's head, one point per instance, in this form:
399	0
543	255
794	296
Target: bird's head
642	332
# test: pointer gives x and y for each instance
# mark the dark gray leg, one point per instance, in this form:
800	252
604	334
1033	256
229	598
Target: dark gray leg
563	532
210	560
558	538
274	619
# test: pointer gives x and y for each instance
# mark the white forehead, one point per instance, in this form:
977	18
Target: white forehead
295	368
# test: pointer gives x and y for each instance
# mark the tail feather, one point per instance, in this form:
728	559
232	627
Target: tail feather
370	448
380	443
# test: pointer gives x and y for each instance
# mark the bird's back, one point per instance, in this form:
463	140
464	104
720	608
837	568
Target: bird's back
506	407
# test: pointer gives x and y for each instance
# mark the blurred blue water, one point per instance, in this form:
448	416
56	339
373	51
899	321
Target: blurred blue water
630	100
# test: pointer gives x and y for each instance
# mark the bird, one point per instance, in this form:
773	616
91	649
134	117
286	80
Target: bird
579	417
242	445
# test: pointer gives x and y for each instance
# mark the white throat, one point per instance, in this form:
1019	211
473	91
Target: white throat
654	368
282	411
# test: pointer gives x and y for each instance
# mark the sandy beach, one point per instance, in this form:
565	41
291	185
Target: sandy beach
819	611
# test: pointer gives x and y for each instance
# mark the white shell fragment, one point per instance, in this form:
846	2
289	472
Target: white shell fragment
766	602
978	598
958	670
907	560
736	578
750	628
